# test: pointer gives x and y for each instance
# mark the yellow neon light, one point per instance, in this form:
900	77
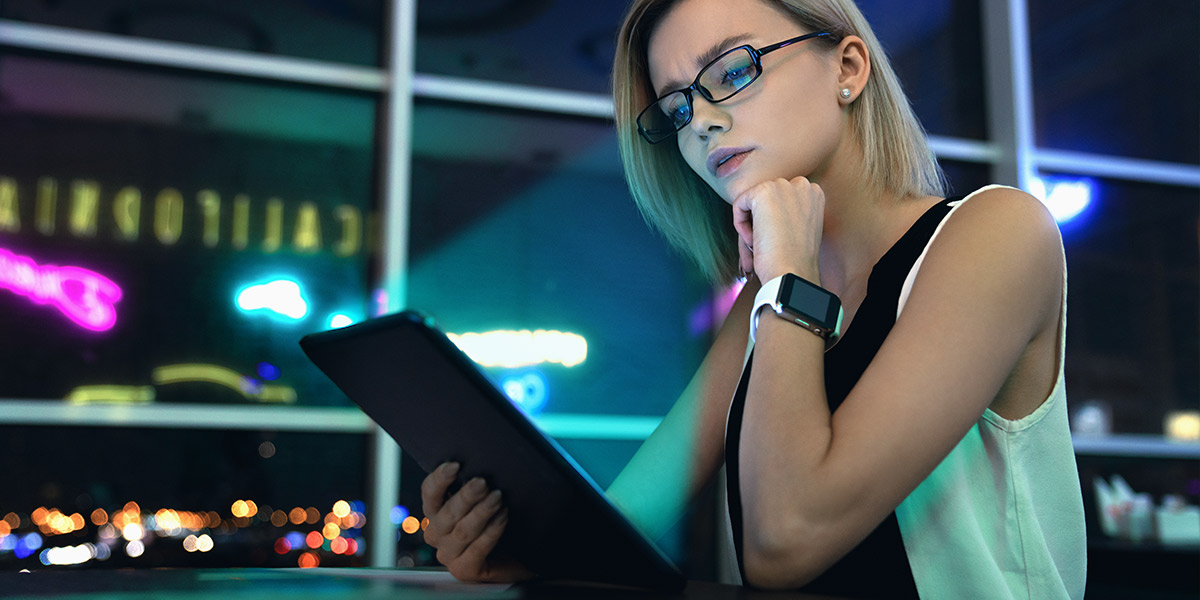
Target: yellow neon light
510	349
197	372
111	394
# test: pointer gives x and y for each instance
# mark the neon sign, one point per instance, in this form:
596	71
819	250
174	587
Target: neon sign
522	348
246	386
222	221
87	298
281	296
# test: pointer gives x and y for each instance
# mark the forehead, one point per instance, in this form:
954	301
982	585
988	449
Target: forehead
692	27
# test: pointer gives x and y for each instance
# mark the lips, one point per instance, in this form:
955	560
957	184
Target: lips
723	161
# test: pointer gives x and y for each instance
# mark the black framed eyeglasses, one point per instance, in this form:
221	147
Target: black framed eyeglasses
718	81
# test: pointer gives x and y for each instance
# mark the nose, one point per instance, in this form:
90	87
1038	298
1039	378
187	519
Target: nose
707	118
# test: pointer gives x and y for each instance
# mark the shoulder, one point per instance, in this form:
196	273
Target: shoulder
998	239
1005	210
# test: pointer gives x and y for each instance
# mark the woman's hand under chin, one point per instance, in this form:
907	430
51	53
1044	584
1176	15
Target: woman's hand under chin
779	223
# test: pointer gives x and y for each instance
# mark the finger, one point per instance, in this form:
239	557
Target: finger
473	523
443	522
433	488
745	260
743	224
467	531
474	558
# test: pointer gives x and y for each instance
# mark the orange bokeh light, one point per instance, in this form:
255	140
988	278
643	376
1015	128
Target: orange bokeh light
314	539
331	530
297	516
410	525
279	518
308	560
99	517
338	545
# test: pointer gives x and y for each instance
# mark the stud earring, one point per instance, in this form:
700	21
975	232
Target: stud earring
845	93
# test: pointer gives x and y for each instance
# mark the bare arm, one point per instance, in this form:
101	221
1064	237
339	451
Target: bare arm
686	449
813	483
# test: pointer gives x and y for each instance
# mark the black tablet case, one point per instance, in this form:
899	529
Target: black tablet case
435	402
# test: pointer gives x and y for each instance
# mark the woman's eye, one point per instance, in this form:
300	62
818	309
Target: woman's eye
736	76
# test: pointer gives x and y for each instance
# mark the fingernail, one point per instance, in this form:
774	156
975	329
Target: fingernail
494	497
476	484
450	469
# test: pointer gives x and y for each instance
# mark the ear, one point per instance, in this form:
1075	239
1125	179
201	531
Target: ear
854	66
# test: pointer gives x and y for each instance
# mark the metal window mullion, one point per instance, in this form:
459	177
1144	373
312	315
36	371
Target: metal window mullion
73	42
1009	88
1117	167
395	183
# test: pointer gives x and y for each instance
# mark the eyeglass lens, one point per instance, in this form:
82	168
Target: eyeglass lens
724	77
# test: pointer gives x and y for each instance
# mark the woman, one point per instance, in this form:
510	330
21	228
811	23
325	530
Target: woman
914	439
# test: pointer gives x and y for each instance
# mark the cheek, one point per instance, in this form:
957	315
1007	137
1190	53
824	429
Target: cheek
693	154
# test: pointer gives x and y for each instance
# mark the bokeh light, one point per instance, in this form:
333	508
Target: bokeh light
341	508
410	525
331	530
398	514
308	560
314	539
297	516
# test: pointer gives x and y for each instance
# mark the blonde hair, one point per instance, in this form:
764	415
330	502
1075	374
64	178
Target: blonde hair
684	208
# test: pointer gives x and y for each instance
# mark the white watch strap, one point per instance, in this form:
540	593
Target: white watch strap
767	296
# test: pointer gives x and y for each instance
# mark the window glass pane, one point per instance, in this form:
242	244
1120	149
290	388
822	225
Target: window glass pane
1134	303
191	195
1117	77
567	45
70	486
346	31
965	177
935	46
523	222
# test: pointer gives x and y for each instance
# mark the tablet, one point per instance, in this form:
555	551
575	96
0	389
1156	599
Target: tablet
435	402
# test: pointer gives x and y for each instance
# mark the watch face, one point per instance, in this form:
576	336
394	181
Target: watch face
800	296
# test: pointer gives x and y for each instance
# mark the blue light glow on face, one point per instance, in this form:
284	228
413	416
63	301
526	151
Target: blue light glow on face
280	298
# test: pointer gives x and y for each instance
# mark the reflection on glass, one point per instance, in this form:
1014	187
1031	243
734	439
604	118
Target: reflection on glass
345	31
1117	77
1133	262
184	220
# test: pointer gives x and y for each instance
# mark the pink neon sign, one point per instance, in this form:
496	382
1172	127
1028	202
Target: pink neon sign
84	296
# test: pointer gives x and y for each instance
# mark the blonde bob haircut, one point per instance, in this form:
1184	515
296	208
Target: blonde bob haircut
672	198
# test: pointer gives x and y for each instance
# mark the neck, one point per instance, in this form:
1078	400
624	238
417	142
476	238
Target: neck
858	217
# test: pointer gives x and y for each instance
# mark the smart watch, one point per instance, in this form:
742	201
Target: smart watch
801	302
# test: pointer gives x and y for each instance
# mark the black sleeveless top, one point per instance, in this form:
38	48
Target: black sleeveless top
878	566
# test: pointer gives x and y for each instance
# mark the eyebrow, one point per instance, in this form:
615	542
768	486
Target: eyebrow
702	60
